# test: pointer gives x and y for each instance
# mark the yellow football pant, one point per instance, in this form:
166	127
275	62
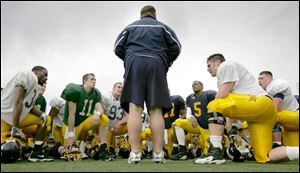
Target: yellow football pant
187	126
83	128
260	114
289	120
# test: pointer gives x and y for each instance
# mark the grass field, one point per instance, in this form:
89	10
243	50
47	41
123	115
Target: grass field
121	165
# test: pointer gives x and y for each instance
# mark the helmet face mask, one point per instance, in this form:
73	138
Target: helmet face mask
11	151
238	149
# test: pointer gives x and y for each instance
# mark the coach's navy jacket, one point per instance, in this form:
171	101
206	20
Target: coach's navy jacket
148	37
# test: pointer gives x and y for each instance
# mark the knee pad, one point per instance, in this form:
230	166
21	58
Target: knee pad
215	118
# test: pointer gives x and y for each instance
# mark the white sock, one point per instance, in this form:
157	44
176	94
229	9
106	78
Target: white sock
150	145
292	152
216	141
39	142
166	136
180	135
277	142
82	146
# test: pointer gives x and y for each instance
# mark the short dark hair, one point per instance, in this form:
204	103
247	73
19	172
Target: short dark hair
117	84
38	68
216	56
86	77
266	73
148	10
199	82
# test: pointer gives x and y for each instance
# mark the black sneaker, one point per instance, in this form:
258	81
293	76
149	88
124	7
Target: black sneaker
38	155
112	152
175	150
94	152
214	156
181	154
104	154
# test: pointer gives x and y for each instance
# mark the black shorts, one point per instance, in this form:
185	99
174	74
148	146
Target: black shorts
145	80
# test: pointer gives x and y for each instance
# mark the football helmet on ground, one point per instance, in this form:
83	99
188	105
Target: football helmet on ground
238	149
11	151
72	153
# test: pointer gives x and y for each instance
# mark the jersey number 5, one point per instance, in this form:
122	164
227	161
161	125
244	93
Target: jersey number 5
197	109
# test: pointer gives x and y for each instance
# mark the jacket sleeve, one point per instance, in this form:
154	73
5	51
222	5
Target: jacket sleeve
174	46
119	48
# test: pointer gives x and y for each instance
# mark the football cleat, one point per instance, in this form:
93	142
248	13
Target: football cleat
214	156
181	154
104	153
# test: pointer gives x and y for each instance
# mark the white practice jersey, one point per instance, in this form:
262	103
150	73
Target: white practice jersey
29	81
245	83
281	86
112	108
59	104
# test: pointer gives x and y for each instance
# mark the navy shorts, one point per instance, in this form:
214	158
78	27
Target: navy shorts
145	80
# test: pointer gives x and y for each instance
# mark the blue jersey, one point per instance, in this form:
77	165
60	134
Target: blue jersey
177	104
198	104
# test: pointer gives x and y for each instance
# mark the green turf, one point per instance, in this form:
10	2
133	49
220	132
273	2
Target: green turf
121	165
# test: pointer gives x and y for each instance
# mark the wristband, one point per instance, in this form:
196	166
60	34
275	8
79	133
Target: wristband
44	117
188	116
71	134
98	113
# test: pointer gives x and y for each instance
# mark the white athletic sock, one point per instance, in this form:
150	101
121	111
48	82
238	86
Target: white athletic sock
277	142
216	141
150	145
82	146
166	136
180	135
175	145
39	142
292	152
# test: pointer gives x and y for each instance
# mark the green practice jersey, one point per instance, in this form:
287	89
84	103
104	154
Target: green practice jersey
85	102
41	103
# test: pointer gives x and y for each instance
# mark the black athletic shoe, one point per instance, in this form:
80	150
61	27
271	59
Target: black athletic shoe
181	154
214	156
104	154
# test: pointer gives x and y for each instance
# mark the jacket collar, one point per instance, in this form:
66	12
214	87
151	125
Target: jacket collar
148	15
